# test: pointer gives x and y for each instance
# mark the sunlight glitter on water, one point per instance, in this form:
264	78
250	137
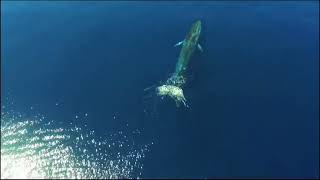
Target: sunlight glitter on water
35	149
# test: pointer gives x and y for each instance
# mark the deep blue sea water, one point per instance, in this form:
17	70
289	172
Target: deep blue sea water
253	93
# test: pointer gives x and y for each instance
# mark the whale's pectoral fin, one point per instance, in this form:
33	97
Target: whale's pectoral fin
200	48
179	43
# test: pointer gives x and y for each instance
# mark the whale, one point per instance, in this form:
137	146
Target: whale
174	84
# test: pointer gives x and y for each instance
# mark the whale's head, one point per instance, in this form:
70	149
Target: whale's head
194	33
196	27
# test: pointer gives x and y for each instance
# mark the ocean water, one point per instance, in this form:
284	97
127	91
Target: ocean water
73	75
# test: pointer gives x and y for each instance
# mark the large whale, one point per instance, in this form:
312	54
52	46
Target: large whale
189	44
173	86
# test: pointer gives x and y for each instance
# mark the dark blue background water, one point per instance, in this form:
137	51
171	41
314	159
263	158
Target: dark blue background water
253	96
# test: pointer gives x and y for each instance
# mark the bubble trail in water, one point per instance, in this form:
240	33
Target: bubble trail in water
37	149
